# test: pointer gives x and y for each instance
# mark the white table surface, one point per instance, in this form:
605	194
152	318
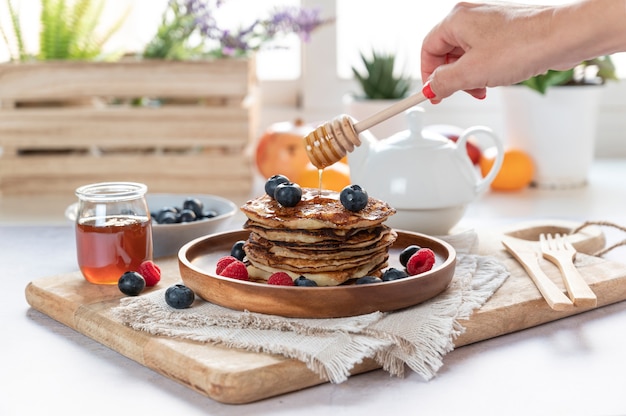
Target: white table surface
575	366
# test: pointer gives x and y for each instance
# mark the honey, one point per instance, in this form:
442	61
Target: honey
108	247
320	172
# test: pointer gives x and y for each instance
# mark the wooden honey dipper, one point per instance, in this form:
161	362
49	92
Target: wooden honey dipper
331	141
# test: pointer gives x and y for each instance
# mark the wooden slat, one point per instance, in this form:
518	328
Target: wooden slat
67	185
225	187
202	173
80	127
151	78
204	165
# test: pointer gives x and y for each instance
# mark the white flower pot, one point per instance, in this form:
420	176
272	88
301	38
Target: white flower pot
360	109
557	130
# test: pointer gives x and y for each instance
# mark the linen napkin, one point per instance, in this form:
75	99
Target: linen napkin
417	337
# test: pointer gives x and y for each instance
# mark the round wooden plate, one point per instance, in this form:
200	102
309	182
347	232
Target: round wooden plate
198	258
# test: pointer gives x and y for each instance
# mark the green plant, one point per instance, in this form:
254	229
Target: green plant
172	40
68	30
590	72
17	32
379	81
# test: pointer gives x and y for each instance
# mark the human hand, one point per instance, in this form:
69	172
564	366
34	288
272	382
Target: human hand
486	45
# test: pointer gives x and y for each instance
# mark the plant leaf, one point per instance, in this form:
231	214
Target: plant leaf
379	81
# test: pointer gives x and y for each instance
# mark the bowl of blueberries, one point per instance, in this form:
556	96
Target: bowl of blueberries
178	219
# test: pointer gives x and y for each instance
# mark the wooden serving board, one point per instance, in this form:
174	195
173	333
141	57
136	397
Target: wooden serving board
235	376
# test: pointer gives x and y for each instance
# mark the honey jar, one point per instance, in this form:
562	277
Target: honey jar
113	230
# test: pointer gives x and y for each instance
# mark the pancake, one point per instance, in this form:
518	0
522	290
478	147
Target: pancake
323	251
318	238
309	265
336	278
315	211
362	236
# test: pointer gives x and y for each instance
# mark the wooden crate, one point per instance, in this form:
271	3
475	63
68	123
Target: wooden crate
65	124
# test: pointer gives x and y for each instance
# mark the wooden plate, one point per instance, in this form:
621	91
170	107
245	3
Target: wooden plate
197	260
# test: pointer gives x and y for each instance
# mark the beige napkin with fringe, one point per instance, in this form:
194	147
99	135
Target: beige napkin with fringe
417	337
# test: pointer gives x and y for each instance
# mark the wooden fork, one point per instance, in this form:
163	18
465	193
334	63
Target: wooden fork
561	252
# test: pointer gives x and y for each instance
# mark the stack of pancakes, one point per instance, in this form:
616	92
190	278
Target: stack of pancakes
318	238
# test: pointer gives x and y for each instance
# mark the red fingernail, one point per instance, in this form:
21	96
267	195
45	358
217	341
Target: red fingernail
428	92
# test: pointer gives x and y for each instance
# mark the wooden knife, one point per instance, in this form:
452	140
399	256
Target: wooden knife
527	256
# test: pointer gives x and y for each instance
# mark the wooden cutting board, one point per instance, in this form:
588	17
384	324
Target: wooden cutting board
235	376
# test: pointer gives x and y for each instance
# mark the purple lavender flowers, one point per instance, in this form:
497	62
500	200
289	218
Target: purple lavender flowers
190	29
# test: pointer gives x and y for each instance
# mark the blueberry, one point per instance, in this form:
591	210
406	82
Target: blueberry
187	215
393	274
237	250
131	283
166	215
406	254
167	218
288	194
365	280
273	182
209	213
353	198
195	205
179	296
303	281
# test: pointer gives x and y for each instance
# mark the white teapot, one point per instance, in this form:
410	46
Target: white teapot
426	177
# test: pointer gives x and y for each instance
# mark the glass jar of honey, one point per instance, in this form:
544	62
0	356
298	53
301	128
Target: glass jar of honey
113	230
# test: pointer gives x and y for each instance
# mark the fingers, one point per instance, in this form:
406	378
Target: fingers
449	78
478	93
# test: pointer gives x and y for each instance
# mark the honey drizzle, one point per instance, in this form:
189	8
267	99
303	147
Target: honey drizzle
319	173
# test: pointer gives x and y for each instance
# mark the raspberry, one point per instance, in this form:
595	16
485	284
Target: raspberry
280	279
420	262
150	272
235	270
222	263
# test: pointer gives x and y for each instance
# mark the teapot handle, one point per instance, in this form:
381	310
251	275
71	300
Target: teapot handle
482	184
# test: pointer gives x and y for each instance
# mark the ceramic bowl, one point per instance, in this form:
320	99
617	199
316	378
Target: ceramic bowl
169	238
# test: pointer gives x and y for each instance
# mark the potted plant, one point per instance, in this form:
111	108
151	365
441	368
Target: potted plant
595	71
381	84
552	117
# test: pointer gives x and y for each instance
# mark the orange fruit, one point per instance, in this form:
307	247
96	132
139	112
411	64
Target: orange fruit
516	172
334	177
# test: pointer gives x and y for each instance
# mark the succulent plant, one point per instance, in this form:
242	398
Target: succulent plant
379	82
590	72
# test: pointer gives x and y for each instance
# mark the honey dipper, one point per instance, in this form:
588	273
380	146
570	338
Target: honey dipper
331	141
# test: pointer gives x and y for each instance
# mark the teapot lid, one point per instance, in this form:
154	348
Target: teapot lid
417	135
